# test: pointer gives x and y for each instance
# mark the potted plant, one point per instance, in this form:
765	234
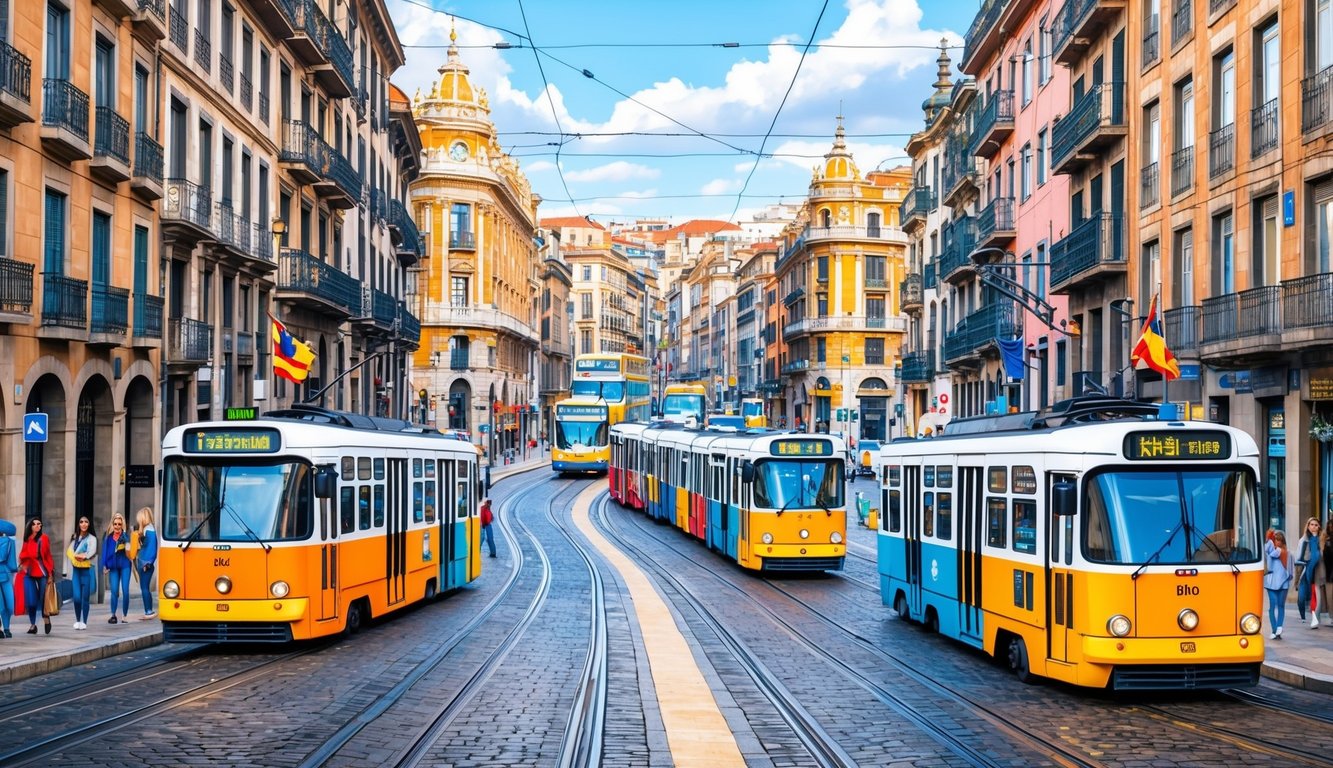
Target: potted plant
1321	430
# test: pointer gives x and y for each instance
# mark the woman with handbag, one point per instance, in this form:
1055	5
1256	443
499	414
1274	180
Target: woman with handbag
145	559
116	564
82	553
36	565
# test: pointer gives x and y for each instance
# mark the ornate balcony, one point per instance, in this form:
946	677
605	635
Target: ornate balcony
994	124
995	224
261	242
301	153
979	333
189	343
1093	250
307	38
1317	101
816	234
462	241
1307	312
910	293
982	35
316	285
963	174
110	316
1242	329
150	20
403	232
1096	121
340	185
955	263
377	310
15	291
918	367
855	323
111	147
64	306
203	50
1221	151
338	76
481	317
65	114
409	327
1078	22
279	16
1150	189
915	207
1264	129
15	87
178	29
147	322
233	233
146	177
187	212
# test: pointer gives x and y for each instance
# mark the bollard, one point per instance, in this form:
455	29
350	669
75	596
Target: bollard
872	519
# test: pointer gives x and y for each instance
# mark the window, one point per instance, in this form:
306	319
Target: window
1267	88
1152	137
821	349
1027	72
458	294
1184	256
1323	35
5	228
1043	136
821	302
1061	361
1150	276
996	522
460	218
875	307
101	252
1323	222
1026	159
263	83
585	342
874	351
585	308
875	268
872	224
140	98
587	273
1224	262
1224	100
1267	242
104	87
1152	26
821	268
1040	275
1184	137
57	42
54	245
1044	45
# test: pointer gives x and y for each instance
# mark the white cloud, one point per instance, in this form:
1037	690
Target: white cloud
615	171
645	194
721	187
808	153
538	166
593	208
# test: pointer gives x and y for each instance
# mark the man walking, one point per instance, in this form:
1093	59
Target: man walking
487	535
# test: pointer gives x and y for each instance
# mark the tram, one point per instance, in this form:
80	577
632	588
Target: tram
580	436
1088	543
308	522
770	501
682	403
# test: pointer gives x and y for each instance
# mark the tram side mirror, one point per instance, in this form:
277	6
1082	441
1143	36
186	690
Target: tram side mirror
747	471
326	482
1063	499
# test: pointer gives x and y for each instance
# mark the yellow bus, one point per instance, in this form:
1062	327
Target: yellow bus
619	380
682	401
752	408
581	436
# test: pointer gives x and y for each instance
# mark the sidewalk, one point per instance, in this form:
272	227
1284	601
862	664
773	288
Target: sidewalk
1303	658
25	656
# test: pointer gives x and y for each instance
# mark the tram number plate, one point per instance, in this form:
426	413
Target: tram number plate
1188	648
223	607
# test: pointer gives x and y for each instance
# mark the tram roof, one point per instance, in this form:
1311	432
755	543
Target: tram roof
306	424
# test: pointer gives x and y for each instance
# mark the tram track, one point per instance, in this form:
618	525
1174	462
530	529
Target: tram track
98	685
1056	751
1232	736
1257	698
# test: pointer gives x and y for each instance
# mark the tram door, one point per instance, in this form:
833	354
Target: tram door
912	538
395	540
1059	578
328	559
464	505
969	551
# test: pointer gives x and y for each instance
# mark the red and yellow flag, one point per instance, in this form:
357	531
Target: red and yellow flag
1151	351
291	358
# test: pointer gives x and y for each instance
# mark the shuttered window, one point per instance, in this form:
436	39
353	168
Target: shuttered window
55	233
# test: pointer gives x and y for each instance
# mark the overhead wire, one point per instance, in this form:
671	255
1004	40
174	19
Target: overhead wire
555	113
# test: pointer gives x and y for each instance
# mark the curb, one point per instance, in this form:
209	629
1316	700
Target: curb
1296	677
82	655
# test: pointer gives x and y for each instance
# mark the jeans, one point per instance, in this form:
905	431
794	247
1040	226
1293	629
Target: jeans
6	604
488	537
1277	607
85	581
1303	591
146	589
34	597
119	579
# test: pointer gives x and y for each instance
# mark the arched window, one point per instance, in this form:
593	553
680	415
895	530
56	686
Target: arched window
825	218
872	224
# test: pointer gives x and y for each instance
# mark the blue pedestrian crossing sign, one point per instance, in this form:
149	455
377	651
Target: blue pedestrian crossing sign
34	427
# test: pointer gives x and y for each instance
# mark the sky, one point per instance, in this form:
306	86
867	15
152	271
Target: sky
587	92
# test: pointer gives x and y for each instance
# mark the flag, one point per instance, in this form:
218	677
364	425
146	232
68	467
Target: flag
1150	351
291	358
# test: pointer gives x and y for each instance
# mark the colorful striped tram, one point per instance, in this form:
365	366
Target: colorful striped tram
1089	543
308	522
770	501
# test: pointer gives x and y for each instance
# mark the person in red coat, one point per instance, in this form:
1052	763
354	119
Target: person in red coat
36	566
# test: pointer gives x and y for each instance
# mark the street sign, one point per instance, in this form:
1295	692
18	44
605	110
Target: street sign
34	427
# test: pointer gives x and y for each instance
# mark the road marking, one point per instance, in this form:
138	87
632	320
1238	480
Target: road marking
696	731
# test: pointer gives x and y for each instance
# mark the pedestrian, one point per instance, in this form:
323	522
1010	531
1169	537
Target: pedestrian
1308	553
145	557
9	568
36	565
116	564
82	555
487	535
1277	580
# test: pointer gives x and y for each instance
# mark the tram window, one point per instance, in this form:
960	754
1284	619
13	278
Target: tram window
461	491
944	516
944	476
996	520
1055	537
349	468
930	476
377	506
363	507
997	480
347	509
430	493
379	469
418	502
1025	480
416	467
1025	525
363	468
894	505
895	475
928	515
430	469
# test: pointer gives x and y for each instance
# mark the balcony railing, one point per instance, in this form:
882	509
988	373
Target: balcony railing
263	106
918	367
299	271
1152	40
226	72
458	359
377	205
1255	312
189	341
915	207
64	106
996	218
1075	24
1181	326
15	286
1317	100
147	157
15	73
1098	241
261	241
188	202
1100	108
928	277
850	233
958	245
148	316
1149	186
64	301
910	293
1307	302
179	31
112	136
339	52
995	122
246	92
1182	20
462	241
156	7
409	326
796	366
1182	170
1221	150
982	24
111	310
1263	128
203	50
982	328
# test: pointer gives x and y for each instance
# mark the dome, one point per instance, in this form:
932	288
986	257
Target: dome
943	85
455	86
838	163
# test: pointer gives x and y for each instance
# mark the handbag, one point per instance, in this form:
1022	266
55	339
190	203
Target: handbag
51	607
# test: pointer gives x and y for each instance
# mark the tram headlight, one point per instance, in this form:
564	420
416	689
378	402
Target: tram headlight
835	537
805	534
1119	625
768	538
1250	624
171	590
280	589
1188	619
222	585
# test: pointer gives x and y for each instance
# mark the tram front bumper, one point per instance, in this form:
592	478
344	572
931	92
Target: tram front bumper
1223	649
287	610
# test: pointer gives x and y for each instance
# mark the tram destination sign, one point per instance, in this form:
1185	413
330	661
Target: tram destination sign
581	412
1178	445
602	366
801	448
232	441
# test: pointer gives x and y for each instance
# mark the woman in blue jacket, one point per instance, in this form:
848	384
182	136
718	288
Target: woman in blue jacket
9	568
116	564
145	558
1277	580
1307	565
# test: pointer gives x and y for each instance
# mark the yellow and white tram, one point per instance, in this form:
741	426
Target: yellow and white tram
1090	543
307	522
770	501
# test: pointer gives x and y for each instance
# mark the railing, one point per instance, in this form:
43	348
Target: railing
1182	20
341	172
958	245
985	326
156	7
409	326
1307	302
928	277
15	73
262	243
479	317
379	306
462	241
305	17
1182	170
981	25
233	229
299	271
377	205
1215	6
999	109
64	301
796	365
179	31
203	50
246	92
1255	312
1263	128
148	316
918	367
997	216
245	345
147	157
302	144
459	359
411	238
111	310
918	202
15	286
1152	40
1149	186
1317	100
112	136
909	290
1181	326
189	340
848	233
1067	20
64	106
1221	150
263	106
187	202
1101	107
226	72
337	49
1098	240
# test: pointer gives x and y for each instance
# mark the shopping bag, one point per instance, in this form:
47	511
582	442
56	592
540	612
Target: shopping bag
52	600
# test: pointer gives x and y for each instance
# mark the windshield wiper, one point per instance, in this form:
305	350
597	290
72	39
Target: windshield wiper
1159	551
197	472
1208	542
254	536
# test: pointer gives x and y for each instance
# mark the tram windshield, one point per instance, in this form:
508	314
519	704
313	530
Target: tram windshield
1167	517
610	391
683	405
798	484
580	434
237	502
